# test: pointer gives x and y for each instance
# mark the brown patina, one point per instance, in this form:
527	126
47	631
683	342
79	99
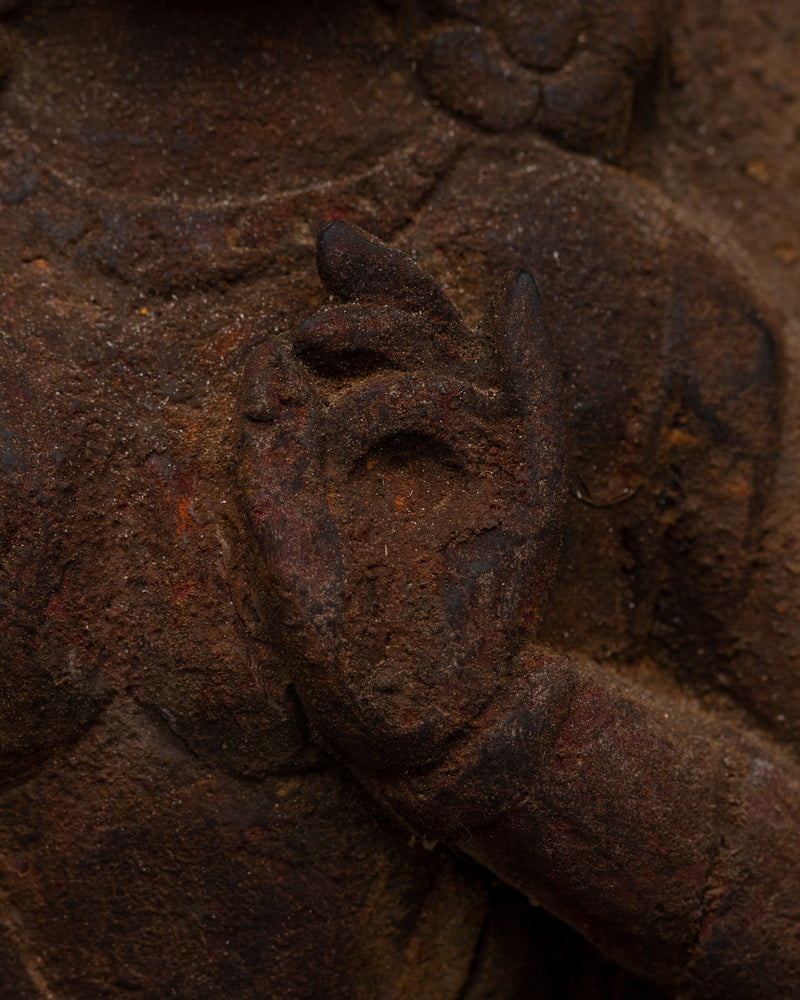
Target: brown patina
346	767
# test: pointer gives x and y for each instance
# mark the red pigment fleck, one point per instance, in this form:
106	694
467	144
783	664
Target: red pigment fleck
182	591
57	605
184	513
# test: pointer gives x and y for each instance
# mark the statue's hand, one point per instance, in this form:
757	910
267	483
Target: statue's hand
406	498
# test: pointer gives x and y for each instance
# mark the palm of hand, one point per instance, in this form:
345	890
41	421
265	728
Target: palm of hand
406	498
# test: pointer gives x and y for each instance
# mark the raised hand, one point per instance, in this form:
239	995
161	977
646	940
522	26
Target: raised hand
404	477
405	485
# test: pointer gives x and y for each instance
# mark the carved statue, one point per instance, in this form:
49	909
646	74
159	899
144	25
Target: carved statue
408	502
426	632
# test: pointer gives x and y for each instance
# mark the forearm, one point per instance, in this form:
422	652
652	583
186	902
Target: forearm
657	833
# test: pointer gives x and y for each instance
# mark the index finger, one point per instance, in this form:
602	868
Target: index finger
356	266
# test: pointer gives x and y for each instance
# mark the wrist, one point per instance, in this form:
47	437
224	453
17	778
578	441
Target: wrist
492	764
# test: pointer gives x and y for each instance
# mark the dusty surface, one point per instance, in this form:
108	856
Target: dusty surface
168	829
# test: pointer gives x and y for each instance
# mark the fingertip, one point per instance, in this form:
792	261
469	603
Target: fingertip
347	258
329	243
523	300
258	401
332	235
524	330
525	281
356	266
523	341
328	225
273	380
